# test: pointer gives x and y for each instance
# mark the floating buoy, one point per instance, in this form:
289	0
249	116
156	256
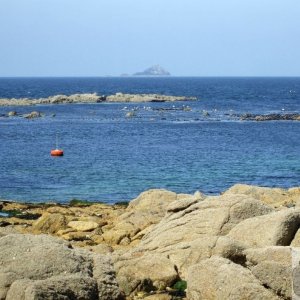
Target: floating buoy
57	152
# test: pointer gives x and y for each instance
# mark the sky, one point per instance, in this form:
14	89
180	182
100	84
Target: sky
186	37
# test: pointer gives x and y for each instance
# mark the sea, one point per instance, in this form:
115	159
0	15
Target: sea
180	146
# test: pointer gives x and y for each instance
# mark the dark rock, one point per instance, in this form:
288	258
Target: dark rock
271	117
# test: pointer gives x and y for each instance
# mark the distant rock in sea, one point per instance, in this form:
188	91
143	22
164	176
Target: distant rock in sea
155	70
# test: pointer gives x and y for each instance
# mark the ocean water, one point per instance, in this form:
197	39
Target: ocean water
181	146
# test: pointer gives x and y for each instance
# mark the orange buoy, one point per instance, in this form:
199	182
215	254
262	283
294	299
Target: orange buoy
57	152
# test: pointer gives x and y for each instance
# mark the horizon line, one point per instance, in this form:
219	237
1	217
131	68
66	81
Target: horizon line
151	76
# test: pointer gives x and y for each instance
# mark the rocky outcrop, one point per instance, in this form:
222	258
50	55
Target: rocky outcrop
120	97
33	115
90	98
43	267
238	245
144	211
189	233
271	117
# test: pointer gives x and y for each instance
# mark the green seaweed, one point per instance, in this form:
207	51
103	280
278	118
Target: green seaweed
122	203
80	202
20	215
180	285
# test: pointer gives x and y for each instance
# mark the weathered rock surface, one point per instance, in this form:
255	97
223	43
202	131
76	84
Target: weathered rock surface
83	225
57	287
219	278
40	267
273	196
274	229
189	233
272	266
147	272
50	223
147	209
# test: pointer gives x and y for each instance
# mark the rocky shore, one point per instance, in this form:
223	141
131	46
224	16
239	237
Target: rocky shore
161	245
270	117
92	98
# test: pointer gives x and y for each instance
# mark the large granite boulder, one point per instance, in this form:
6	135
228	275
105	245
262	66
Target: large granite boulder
39	266
147	209
275	229
273	196
188	233
272	266
147	272
219	278
57	287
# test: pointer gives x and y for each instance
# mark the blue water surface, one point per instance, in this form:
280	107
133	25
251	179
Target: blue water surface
195	145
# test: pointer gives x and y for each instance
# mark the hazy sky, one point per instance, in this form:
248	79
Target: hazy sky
186	37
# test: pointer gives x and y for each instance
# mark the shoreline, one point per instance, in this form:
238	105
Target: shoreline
160	245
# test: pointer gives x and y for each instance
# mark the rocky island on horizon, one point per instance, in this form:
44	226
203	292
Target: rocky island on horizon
155	70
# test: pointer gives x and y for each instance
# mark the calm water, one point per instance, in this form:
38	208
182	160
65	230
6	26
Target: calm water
109	157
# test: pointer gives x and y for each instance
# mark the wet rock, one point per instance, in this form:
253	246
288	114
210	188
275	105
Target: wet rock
130	114
12	113
33	115
271	117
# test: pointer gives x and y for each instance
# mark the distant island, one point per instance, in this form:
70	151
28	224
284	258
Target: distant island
155	70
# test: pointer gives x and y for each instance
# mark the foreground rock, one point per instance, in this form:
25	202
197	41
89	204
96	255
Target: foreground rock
234	246
43	267
278	229
273	196
140	216
219	278
91	98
